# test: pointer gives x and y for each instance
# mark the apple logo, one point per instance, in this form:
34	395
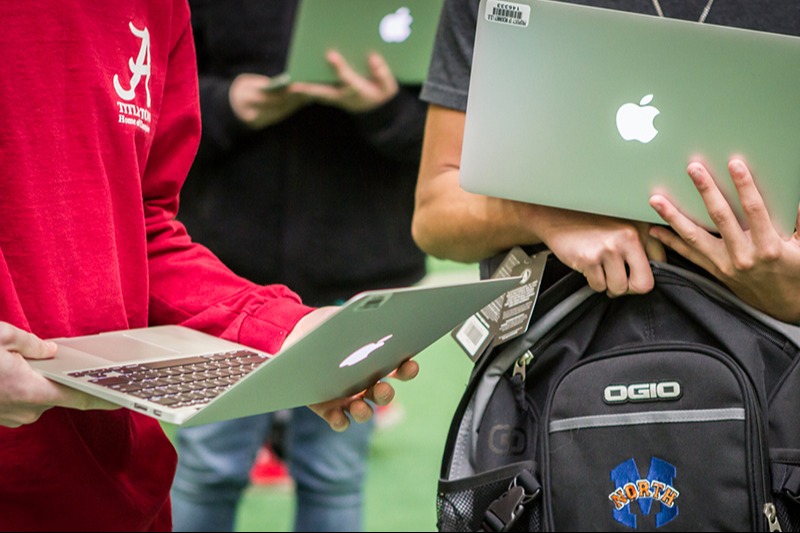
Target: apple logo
363	352
396	27
635	122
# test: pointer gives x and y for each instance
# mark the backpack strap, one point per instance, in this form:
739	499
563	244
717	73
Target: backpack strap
785	469
494	367
721	293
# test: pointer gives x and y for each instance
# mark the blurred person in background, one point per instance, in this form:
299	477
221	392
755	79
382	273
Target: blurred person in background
309	185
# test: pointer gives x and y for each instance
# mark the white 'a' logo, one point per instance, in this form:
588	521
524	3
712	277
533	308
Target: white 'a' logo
139	68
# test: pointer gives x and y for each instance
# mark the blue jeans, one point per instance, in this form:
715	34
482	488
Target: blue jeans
214	463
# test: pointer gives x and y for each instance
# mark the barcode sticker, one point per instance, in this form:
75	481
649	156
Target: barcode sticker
471	335
508	13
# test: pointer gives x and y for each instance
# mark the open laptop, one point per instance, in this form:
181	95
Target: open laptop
185	377
595	110
402	31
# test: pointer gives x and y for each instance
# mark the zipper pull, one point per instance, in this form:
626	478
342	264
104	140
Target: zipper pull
521	364
772	517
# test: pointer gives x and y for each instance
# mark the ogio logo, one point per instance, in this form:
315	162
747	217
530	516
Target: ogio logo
632	488
507	440
642	392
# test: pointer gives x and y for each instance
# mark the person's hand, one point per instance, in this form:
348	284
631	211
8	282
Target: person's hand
355	93
24	393
334	412
611	253
759	265
258	107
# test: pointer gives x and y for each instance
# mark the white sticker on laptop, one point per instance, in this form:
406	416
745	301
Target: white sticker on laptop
508	13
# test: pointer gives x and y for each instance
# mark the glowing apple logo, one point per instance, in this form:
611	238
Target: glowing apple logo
396	27
363	352
635	122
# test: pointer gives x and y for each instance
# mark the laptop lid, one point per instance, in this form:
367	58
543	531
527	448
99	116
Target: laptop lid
595	110
402	31
367	337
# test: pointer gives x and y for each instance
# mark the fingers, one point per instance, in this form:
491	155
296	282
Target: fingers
406	372
26	344
718	208
335	412
737	249
332	412
623	270
382	74
762	231
595	277
316	91
359	407
63	396
347	75
381	393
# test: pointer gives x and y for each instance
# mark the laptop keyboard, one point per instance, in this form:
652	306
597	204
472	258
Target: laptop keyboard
187	381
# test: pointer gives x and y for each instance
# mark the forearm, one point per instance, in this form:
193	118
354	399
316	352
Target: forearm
451	223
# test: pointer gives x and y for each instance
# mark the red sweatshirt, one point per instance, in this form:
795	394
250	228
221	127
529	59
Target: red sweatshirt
100	115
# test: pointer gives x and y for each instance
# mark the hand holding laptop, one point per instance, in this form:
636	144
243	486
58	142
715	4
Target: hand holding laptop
760	265
613	254
355	93
24	393
334	411
257	105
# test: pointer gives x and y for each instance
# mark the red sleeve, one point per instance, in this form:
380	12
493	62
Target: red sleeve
188	284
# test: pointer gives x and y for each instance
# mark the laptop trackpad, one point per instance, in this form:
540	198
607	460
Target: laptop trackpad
119	348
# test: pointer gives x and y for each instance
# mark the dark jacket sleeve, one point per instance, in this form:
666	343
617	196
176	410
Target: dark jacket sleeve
221	128
396	128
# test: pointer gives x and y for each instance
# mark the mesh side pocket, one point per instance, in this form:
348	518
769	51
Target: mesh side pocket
462	504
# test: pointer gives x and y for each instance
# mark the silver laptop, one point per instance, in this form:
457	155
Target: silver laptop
595	110
402	31
185	377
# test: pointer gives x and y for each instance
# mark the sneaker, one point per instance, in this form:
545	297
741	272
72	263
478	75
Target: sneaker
268	469
388	416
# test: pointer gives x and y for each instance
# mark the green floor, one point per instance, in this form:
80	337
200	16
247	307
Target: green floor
405	458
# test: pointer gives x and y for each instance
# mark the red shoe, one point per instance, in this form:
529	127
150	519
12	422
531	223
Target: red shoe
268	469
388	416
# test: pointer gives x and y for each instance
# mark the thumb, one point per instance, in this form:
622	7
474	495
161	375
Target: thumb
26	344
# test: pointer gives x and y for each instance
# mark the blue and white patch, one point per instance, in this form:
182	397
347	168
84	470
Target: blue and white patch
631	487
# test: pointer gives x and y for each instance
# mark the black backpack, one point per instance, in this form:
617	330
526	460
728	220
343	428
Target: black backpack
678	410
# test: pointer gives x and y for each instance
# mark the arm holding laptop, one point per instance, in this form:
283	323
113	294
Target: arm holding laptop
256	105
760	266
452	223
25	394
